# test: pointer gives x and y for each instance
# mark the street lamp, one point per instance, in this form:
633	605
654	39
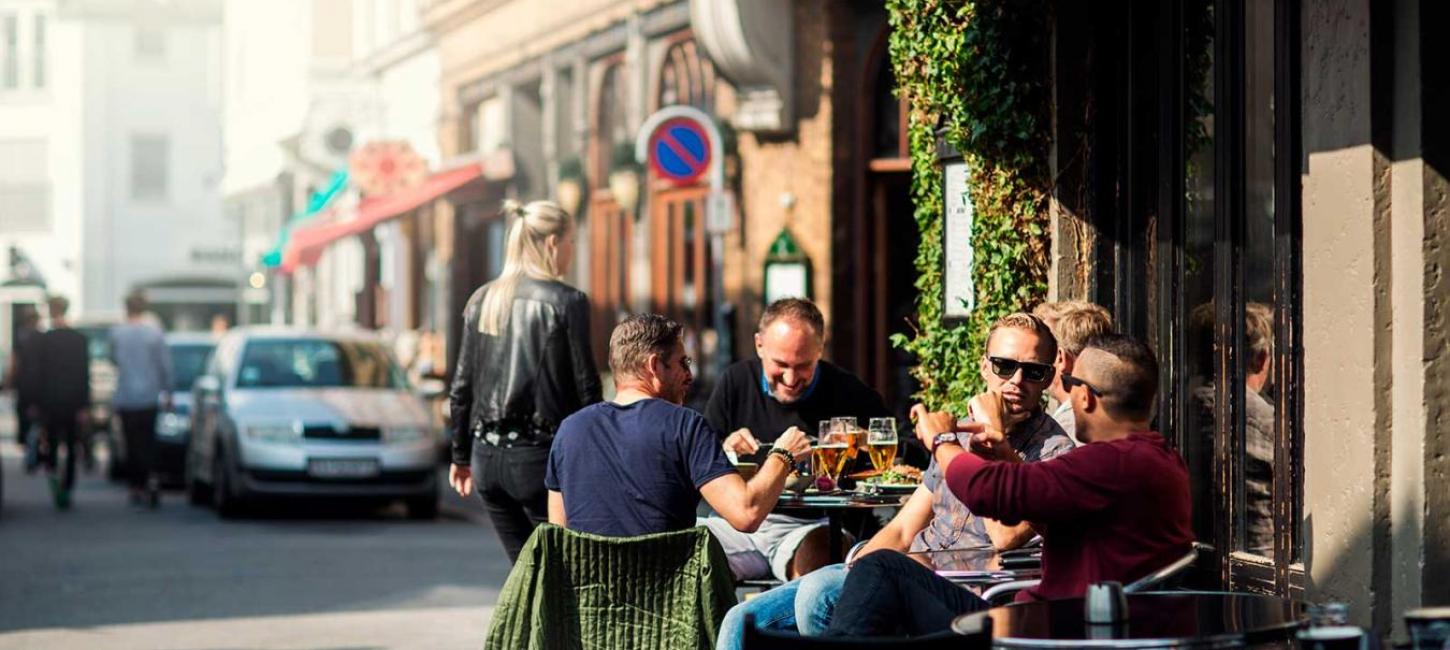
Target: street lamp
569	191
624	178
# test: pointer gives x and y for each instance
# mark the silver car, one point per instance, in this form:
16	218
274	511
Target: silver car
296	413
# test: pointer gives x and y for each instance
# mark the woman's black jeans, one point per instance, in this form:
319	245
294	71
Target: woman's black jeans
889	594
511	482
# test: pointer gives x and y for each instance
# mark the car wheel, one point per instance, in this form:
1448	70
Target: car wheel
423	508
228	504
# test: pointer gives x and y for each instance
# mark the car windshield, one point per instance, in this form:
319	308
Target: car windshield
314	363
188	361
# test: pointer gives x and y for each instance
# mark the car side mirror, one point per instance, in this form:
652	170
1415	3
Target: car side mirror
207	384
431	388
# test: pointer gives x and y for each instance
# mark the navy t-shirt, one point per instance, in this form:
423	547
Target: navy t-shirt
634	469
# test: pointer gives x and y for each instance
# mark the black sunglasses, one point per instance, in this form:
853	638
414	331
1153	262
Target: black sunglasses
1068	381
1033	372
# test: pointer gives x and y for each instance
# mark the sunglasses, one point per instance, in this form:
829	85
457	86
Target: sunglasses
1033	372
1068	381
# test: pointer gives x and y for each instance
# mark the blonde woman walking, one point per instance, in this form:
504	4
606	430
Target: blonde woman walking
523	366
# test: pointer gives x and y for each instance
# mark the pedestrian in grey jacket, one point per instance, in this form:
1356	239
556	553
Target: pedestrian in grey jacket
143	389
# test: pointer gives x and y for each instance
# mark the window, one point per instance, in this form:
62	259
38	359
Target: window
24	186
149	167
317	364
150	44
1210	209
39	52
10	56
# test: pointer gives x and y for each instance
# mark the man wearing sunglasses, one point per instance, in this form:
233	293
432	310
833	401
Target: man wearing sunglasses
933	519
1116	508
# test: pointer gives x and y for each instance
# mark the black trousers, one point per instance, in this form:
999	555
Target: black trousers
510	480
139	427
60	431
889	594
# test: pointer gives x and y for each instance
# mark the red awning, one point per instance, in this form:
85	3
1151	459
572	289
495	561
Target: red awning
306	244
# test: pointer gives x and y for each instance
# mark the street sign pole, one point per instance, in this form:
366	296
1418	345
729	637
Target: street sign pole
717	215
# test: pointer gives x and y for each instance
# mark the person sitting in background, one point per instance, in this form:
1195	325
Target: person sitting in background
641	463
1074	323
1019	348
787	385
1116	508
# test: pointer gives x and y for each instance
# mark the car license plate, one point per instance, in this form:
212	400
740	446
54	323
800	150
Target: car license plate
343	468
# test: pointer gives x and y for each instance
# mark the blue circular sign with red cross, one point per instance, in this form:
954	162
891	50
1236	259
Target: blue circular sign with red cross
679	150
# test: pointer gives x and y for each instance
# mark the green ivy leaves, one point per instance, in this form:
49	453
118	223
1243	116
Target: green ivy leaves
978	69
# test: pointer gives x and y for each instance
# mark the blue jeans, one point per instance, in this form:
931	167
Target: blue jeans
804	604
889	594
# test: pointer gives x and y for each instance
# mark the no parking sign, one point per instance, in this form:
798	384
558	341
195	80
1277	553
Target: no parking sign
679	150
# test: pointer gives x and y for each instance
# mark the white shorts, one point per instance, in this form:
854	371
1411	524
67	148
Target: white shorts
765	552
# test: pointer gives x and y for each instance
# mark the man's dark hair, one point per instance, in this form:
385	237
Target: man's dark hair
799	310
29	317
637	337
1129	385
135	303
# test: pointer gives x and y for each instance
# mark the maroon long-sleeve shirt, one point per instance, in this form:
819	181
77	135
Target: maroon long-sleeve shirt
1114	510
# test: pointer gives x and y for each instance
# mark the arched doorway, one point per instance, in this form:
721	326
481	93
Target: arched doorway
881	273
610	227
681	265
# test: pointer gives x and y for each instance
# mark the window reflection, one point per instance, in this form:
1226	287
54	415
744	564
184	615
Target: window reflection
1198	273
1254	450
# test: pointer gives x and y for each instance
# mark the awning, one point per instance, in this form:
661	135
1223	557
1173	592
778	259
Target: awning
307	243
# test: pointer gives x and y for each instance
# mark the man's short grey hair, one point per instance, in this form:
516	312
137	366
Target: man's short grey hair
637	337
799	310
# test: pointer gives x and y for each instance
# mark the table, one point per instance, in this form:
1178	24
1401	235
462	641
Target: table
976	567
835	505
1155	620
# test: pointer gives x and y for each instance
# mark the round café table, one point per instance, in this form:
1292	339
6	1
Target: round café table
835	505
1155	620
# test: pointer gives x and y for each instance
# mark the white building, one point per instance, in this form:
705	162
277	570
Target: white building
306	82
109	125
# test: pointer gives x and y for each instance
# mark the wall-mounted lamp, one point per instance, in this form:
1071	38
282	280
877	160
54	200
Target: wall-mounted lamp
624	178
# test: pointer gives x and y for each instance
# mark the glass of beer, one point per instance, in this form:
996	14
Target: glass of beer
831	452
855	438
881	443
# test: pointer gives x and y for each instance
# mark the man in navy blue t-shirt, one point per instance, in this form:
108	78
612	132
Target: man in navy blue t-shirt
641	463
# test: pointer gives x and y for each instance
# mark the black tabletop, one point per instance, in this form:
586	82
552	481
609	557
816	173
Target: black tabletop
1155	620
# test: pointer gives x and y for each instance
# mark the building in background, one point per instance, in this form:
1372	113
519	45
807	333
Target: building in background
108	144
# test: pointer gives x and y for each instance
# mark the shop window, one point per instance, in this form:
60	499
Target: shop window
1195	175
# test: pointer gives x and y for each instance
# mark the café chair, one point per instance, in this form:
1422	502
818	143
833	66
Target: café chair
973	639
1003	593
575	590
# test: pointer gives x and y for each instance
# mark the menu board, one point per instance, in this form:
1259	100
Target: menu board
958	289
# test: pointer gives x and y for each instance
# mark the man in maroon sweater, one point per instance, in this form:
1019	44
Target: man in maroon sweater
1116	508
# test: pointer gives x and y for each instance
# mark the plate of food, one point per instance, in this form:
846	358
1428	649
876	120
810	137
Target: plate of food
900	479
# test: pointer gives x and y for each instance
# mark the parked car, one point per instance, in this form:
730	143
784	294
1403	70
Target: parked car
189	355
288	413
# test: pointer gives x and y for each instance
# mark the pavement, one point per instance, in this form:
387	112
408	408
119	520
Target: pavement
323	575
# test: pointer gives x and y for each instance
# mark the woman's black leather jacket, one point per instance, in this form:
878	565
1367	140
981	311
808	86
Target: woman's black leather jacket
526	381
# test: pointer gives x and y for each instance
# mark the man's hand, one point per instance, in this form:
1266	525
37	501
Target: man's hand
461	478
794	441
929	424
989	409
741	442
993	445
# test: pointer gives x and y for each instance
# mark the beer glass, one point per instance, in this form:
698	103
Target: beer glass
881	442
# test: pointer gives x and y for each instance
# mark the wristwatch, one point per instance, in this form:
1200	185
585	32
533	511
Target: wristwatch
944	437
